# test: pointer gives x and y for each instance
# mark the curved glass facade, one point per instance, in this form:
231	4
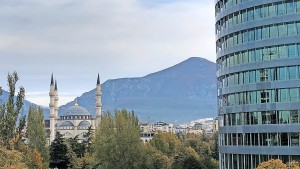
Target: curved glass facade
258	71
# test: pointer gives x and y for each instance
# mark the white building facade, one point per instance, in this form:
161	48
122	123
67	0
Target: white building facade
76	120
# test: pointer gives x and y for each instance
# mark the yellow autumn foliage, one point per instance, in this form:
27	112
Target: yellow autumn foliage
11	159
278	164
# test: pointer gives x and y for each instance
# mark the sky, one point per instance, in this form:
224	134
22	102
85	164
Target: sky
75	40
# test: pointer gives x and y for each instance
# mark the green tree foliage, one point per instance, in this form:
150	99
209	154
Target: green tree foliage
15	153
22	124
72	156
187	158
202	145
77	147
10	111
117	141
87	141
167	143
215	147
36	132
154	159
117	145
186	151
59	153
81	152
83	162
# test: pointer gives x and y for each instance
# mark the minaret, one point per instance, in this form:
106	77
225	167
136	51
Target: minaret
52	109
98	102
56	101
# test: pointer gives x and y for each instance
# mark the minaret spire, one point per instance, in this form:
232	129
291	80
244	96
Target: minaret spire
98	79
51	79
55	88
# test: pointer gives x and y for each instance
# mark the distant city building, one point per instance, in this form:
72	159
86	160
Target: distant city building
163	127
147	136
191	130
197	126
147	127
200	126
148	130
258	71
181	129
216	125
76	120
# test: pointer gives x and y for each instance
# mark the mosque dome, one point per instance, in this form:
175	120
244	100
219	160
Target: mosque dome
76	110
84	124
66	124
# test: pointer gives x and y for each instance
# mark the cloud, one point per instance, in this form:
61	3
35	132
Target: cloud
35	94
119	38
42	98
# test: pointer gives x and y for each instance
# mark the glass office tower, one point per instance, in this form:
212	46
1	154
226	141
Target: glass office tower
258	71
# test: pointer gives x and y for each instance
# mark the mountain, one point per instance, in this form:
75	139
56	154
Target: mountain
27	104
181	93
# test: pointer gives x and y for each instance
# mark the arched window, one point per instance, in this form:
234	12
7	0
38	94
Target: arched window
67	135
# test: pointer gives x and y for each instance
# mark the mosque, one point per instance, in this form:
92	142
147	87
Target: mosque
75	120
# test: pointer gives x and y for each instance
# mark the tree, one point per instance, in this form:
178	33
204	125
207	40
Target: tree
76	147
59	153
15	153
215	147
74	161
33	159
36	132
22	124
293	165
272	164
278	164
202	145
154	159
117	141
87	140
80	152
187	158
21	159
167	143
10	111
11	159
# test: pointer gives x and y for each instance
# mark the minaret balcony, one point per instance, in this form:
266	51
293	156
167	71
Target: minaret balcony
51	104
52	116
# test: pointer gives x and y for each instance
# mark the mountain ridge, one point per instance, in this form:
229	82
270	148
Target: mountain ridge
178	94
26	106
189	86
